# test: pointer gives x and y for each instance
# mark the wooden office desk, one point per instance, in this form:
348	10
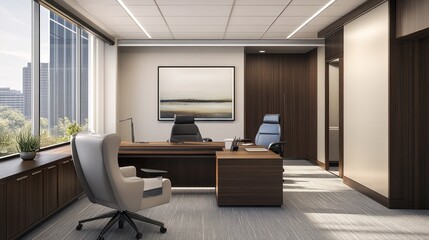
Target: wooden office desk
249	178
189	164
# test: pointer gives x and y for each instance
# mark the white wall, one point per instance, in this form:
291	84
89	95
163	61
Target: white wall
366	100
321	104
110	88
138	88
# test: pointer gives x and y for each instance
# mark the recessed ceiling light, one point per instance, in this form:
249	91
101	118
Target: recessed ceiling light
311	18
262	51
133	17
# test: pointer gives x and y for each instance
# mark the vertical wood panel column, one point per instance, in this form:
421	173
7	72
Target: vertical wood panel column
285	84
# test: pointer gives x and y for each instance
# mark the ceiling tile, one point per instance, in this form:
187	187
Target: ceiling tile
256	21
196	21
145	11
197	29
151	21
194	3
275	35
300	34
195	11
96	2
152	29
194	35
124	35
117	21
310	2
235	35
282	28
312	28
337	11
248	29
262	2
129	29
161	35
256	11
138	2
111	11
290	21
300	11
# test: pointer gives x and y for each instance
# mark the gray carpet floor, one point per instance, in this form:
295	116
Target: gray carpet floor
316	205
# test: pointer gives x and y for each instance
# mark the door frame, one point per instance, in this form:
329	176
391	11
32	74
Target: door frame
341	115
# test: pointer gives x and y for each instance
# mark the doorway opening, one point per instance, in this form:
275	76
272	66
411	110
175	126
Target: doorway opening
334	96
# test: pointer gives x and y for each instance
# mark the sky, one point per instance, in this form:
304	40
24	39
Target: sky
15	40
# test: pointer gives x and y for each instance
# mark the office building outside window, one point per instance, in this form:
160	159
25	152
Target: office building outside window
15	54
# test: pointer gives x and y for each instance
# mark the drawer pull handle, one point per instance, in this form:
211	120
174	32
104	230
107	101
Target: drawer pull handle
52	167
66	161
21	178
36	173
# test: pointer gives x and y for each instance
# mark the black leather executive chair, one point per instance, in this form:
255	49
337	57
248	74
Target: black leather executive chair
269	134
184	129
96	161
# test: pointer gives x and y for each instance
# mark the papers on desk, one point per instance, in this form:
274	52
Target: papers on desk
256	149
152	186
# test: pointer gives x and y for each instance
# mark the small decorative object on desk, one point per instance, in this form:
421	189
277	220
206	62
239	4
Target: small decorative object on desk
27	145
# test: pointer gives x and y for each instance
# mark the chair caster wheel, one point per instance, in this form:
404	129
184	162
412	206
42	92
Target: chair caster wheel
79	227
139	235
163	230
100	238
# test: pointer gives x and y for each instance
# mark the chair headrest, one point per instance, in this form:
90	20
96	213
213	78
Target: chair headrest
272	118
183	119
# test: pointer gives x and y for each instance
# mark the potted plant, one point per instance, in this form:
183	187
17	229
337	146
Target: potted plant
27	145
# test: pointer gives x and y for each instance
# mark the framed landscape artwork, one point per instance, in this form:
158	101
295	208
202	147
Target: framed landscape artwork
207	93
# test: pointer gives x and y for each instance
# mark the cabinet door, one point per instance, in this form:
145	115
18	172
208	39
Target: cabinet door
17	195
66	182
79	188
50	184
35	196
3	207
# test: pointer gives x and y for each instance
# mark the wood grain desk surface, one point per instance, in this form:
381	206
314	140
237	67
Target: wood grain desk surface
166	148
243	154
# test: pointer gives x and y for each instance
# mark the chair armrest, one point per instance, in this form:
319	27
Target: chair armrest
277	147
128	171
207	140
153	172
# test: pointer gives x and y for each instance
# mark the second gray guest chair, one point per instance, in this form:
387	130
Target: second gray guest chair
105	183
269	134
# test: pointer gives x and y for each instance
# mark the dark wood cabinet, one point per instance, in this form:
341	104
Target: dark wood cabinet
17	200
66	182
31	191
35	196
50	192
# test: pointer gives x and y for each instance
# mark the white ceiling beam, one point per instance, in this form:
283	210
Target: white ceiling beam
225	43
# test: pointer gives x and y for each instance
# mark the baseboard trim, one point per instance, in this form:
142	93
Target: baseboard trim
368	192
321	164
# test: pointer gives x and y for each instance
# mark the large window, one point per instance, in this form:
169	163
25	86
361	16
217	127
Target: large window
63	79
15	71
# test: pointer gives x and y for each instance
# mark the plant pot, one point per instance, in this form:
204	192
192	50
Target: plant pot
27	155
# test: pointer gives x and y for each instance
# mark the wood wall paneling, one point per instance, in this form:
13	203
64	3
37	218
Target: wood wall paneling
408	117
3	210
285	84
412	17
334	45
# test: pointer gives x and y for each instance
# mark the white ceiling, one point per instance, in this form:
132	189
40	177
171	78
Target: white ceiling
213	19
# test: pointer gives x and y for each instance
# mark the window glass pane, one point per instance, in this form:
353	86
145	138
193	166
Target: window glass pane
15	71
58	57
84	78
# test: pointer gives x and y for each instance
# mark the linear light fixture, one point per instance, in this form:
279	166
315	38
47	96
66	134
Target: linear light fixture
133	17
311	18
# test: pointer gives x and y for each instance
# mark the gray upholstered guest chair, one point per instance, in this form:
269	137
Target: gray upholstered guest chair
96	161
184	129
269	134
